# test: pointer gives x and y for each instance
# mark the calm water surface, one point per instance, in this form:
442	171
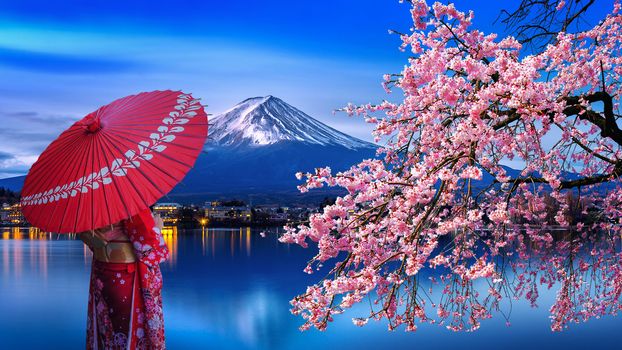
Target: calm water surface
229	289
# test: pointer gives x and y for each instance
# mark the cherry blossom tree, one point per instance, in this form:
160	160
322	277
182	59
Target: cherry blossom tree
437	229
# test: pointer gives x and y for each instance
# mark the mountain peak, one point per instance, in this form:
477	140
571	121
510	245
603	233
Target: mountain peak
257	99
261	121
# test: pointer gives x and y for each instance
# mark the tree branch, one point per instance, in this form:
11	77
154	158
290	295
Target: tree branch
568	184
607	123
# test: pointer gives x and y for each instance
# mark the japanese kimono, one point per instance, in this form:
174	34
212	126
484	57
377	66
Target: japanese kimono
125	299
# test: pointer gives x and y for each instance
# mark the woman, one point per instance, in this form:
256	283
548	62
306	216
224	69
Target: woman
129	152
125	297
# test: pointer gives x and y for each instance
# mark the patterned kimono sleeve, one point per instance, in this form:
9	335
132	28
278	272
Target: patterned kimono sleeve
150	250
149	245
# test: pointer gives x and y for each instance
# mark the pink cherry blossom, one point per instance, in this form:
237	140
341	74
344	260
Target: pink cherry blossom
439	196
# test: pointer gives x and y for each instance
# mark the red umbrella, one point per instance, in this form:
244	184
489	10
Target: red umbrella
115	162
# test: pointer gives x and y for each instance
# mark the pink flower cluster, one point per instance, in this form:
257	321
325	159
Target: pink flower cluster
440	198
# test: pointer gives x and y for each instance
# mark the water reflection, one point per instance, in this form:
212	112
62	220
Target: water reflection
228	289
213	240
16	254
169	233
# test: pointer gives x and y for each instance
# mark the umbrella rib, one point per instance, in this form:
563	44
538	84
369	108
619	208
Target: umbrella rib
154	109
121	131
107	162
54	162
176	136
175	180
161	111
45	160
127	107
55	165
158	123
160	108
155	118
76	168
103	186
128	177
153	150
121	105
59	164
80	194
145	100
108	137
93	190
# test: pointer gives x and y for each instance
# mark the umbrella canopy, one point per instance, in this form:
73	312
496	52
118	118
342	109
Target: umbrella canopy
115	162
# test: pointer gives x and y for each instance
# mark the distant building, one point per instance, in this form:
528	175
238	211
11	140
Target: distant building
278	217
12	214
4	212
217	212
300	213
276	214
169	212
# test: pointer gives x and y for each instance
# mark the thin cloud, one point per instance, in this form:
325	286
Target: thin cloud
61	63
5	156
10	165
24	135
21	114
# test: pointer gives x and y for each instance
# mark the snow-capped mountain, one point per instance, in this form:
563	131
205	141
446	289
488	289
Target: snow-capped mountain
255	149
260	121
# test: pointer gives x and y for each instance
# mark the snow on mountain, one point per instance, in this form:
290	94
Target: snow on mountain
260	121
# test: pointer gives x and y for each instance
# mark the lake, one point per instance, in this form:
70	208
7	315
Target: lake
230	289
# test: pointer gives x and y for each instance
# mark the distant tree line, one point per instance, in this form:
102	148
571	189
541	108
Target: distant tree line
233	203
8	196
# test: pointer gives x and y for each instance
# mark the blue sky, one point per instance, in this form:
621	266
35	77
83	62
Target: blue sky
60	60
